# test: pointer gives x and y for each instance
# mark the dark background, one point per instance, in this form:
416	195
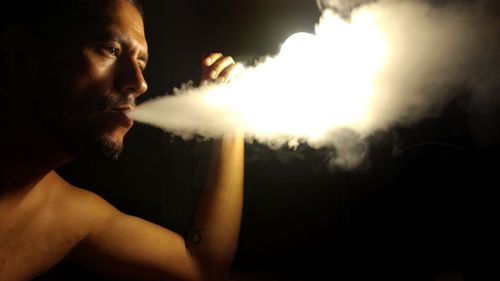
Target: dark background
426	201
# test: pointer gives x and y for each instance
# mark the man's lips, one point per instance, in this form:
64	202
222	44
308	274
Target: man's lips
120	113
124	108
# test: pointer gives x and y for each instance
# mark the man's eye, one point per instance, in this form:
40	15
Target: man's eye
112	50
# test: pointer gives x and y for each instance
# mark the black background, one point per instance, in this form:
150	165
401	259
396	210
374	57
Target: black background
426	201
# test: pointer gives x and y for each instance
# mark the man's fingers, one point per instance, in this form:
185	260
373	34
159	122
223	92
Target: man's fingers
231	71
208	66
211	59
219	66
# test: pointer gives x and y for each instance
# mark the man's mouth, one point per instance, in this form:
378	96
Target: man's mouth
123	108
120	114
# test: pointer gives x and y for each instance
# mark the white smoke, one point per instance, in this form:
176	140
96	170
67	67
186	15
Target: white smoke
392	63
343	7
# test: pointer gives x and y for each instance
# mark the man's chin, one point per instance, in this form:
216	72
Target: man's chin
97	149
110	148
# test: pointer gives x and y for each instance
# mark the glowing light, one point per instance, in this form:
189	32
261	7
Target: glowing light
297	45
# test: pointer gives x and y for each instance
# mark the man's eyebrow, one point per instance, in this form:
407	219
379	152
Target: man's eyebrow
113	36
109	36
144	58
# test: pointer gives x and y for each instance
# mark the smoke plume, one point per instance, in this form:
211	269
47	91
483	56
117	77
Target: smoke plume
388	63
342	7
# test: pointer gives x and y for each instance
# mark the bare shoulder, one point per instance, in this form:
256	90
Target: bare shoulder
83	207
53	219
81	211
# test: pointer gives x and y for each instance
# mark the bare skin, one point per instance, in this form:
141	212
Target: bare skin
44	219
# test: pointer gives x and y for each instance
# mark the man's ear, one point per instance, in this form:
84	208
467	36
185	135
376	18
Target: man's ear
19	50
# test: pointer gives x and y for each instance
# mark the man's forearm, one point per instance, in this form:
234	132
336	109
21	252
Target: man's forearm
213	237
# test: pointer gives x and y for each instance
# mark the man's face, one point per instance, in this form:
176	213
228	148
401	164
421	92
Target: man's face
95	78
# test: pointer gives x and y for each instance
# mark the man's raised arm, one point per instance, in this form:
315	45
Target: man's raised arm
214	234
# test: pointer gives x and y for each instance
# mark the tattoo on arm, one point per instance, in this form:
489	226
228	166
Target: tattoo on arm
195	237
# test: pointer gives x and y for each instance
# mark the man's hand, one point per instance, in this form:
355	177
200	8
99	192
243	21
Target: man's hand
217	67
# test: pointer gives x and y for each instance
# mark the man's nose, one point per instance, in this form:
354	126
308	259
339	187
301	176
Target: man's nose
131	79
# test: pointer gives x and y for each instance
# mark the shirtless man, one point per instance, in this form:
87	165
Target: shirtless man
68	74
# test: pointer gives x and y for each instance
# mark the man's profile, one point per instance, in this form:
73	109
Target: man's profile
70	70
